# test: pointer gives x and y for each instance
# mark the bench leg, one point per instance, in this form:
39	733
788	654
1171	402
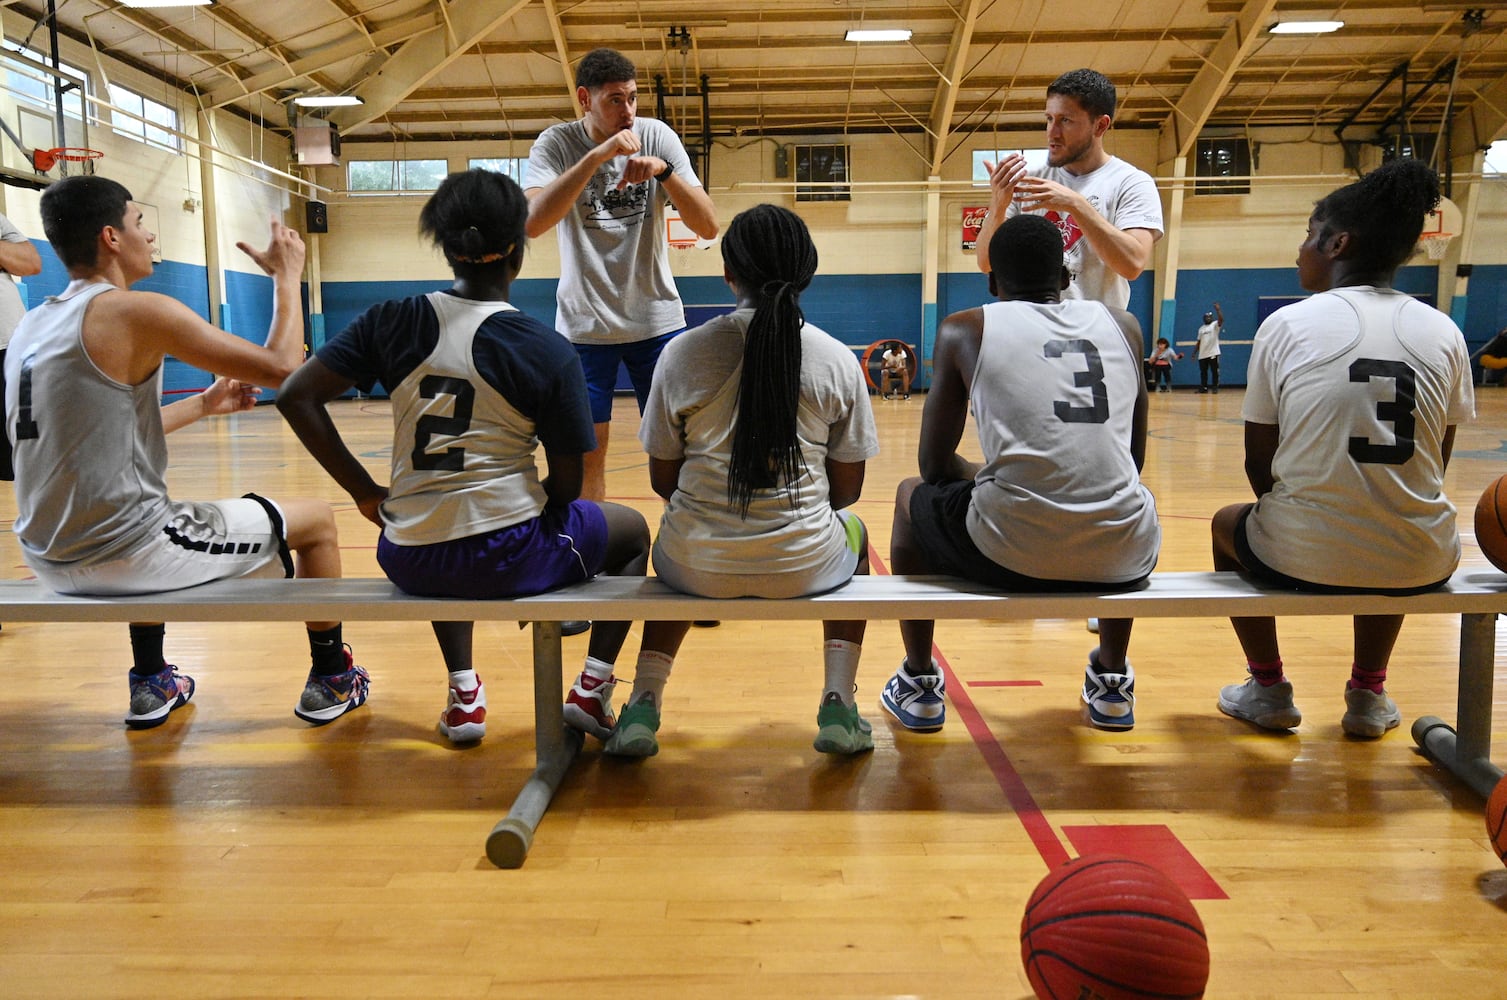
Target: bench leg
1466	753
555	749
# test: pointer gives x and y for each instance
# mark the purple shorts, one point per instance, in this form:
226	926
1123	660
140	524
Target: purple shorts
559	547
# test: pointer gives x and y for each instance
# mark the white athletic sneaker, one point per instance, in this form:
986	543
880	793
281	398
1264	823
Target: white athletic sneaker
1268	707
464	719
1368	714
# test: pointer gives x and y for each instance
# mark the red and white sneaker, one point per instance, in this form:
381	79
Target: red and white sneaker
464	720
588	707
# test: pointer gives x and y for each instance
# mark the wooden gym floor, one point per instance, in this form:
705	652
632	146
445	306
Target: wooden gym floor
236	852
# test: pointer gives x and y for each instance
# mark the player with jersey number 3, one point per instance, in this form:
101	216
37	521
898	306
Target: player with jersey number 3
1351	405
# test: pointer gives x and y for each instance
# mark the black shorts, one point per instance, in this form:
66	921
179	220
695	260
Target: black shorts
939	524
1261	571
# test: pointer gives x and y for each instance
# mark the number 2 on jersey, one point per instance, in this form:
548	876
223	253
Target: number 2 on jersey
430	425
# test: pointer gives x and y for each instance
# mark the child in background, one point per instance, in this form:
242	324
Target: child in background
1161	364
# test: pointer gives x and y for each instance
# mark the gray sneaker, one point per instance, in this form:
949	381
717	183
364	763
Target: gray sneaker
1368	714
1268	707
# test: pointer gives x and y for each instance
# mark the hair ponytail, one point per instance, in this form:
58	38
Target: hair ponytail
769	250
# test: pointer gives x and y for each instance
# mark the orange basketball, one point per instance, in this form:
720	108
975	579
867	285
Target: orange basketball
1112	929
1491	523
1496	819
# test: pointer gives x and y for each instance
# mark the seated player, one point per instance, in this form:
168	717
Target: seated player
1057	394
758	426
1350	413
476	387
83	387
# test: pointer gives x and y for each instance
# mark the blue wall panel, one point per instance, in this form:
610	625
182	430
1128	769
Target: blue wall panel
860	309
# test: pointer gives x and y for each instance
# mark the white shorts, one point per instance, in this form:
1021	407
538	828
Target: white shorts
836	571
201	542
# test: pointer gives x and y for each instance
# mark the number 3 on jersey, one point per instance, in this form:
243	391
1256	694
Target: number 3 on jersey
1091	379
431	425
1397	411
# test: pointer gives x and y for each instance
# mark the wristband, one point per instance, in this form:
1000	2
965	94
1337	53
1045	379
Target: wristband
666	172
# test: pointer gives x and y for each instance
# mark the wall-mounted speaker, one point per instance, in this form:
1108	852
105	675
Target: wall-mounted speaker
317	217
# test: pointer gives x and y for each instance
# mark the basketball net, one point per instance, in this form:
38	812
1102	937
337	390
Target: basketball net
1436	245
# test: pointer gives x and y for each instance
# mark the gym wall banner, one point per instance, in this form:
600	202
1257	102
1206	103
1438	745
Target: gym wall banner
973	221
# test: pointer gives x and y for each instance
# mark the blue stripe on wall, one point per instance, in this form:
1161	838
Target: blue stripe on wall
860	309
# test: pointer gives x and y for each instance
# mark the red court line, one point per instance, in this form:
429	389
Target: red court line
1010	782
1151	844
1155	845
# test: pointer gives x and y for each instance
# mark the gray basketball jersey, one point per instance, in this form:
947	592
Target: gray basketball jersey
90	452
1053	398
462	456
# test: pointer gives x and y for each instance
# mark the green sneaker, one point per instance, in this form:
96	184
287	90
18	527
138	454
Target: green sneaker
634	733
840	729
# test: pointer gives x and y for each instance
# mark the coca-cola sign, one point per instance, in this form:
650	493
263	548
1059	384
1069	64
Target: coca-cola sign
973	221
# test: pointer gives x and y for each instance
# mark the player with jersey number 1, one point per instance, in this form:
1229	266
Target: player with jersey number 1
1352	400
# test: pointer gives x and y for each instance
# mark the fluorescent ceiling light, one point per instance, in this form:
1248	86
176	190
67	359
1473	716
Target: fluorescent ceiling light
1305	27
167	3
328	101
877	35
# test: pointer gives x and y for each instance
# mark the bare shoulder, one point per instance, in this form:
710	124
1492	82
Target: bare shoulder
133	306
1129	326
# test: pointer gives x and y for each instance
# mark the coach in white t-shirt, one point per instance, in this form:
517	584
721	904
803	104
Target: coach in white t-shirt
1108	211
602	183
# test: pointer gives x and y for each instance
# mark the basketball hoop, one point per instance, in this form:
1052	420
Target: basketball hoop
43	160
1436	245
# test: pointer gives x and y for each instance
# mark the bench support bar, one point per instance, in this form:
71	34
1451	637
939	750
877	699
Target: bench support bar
1463	753
555	749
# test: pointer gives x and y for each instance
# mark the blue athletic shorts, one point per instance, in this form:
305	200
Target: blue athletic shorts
601	361
558	547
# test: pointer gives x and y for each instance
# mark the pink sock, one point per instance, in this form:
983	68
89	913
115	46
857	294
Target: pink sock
1371	680
1266	674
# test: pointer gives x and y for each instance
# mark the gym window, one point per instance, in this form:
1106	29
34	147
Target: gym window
818	172
1228	157
512	166
1036	159
388	176
35	86
1496	159
144	119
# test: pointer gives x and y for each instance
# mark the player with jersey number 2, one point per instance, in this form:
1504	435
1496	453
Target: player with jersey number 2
477	387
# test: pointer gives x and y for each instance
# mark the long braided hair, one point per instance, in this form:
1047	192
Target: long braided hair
769	254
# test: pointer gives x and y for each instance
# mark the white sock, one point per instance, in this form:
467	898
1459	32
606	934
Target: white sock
599	669
464	680
840	662
650	675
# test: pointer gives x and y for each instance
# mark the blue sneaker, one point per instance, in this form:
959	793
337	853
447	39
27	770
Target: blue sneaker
326	699
1110	697
916	700
154	697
